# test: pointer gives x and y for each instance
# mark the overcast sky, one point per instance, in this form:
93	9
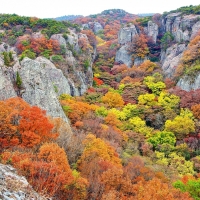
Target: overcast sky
56	8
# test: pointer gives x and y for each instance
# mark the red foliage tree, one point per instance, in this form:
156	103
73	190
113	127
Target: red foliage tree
188	99
34	127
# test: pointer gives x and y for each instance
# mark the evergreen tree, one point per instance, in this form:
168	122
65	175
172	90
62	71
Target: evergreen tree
10	56
19	80
6	58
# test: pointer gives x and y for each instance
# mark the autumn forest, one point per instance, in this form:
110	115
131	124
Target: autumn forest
128	127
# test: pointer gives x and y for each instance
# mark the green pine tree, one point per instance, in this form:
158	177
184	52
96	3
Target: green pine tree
6	58
19	80
10	56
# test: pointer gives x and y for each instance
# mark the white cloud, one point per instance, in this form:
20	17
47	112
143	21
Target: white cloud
49	8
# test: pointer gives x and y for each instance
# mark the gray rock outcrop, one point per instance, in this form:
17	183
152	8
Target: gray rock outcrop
97	27
43	82
152	30
122	56
6	85
4	47
85	26
171	58
60	39
15	187
126	34
189	83
59	81
78	80
39	89
195	29
73	40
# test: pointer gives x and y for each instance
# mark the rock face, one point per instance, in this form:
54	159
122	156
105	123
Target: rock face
152	30
60	83
122	56
85	26
15	187
97	27
189	83
6	85
60	39
180	26
94	26
171	58
195	29
5	47
183	28
73	40
78	80
126	34
39	88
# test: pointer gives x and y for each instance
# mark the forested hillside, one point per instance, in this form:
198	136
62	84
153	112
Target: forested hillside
102	107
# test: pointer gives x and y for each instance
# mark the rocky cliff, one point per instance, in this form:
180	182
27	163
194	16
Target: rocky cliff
189	83
170	58
94	26
43	81
183	28
125	36
15	187
152	30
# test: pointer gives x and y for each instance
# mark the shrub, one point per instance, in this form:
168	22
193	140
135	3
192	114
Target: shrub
27	53
57	58
86	64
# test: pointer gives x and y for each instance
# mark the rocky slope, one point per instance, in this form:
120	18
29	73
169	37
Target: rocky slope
15	187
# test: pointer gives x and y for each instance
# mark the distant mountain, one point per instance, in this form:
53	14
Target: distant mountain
68	17
112	11
145	14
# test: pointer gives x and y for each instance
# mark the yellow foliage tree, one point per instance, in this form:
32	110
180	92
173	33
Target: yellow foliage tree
97	148
180	126
113	99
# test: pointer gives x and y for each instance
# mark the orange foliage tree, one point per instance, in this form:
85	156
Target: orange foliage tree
9	118
156	189
51	152
23	125
77	109
111	119
196	110
34	127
